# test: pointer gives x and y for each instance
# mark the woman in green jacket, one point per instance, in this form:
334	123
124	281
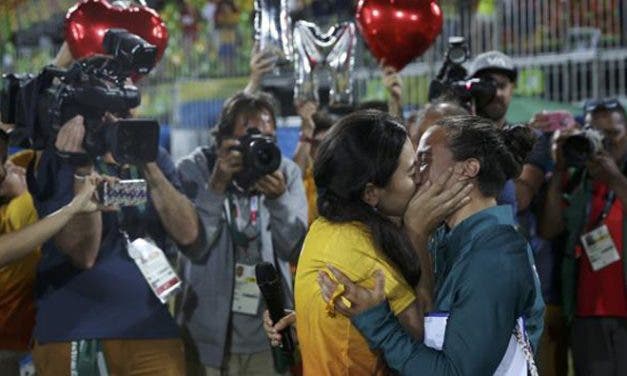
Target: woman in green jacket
485	277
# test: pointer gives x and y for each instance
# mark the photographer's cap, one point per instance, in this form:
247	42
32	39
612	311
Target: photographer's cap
609	104
494	61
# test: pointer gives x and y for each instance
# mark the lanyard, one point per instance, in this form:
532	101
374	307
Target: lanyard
243	232
610	197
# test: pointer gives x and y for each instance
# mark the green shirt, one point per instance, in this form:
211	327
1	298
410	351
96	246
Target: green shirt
485	280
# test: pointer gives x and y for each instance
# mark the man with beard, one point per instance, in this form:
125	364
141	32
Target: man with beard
498	68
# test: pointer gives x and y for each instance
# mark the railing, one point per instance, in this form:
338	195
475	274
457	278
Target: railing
567	51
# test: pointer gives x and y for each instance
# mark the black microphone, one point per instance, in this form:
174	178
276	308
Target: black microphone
269	283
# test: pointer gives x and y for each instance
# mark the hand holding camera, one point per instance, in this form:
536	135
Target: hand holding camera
557	144
243	162
92	87
71	135
272	185
452	79
229	162
603	167
576	147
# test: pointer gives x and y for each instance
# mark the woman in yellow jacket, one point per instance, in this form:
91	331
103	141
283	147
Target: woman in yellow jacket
364	173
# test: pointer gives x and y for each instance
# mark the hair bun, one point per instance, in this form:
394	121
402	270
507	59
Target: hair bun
519	140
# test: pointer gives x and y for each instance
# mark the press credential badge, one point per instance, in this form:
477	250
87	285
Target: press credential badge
246	295
154	267
600	248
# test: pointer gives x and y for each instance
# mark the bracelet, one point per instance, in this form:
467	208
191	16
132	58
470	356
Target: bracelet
306	139
80	177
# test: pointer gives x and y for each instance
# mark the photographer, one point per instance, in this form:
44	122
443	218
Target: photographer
243	224
584	203
499	69
91	296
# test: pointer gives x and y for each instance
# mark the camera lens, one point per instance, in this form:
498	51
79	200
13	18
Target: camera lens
457	54
267	156
263	156
577	150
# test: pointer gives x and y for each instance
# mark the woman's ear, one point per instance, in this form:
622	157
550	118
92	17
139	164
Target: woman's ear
470	168
371	195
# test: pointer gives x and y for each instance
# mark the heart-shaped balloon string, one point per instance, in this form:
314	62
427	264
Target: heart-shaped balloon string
87	22
398	31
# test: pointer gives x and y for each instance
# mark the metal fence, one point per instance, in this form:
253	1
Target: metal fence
567	51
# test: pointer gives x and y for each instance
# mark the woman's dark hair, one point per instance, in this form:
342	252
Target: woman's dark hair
363	148
501	152
242	104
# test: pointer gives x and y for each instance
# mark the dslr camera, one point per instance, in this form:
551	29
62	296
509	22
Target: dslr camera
451	80
260	155
92	87
581	147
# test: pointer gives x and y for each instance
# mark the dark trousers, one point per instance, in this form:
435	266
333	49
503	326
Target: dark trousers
599	346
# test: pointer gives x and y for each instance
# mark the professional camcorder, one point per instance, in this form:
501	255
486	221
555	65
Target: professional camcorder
261	156
91	87
452	83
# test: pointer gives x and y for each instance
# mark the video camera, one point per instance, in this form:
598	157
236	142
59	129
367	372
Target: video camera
452	82
92	87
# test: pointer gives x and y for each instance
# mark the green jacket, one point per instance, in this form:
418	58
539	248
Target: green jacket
486	279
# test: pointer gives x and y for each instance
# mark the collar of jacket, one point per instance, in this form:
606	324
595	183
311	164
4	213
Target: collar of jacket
466	231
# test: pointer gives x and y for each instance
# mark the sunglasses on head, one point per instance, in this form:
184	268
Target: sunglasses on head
611	104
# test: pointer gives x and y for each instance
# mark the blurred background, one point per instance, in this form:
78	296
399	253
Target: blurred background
566	51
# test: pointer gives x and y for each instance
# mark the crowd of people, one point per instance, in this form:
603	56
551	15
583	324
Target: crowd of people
447	243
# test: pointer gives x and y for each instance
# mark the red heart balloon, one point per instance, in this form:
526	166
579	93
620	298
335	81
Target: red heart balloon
87	22
398	31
